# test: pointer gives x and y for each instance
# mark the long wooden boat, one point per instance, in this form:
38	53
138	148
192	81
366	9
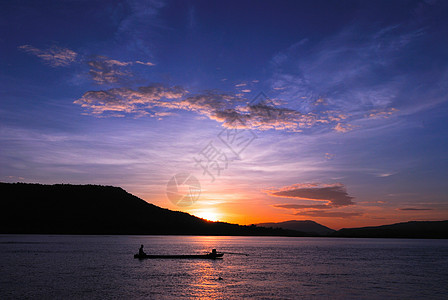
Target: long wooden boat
192	256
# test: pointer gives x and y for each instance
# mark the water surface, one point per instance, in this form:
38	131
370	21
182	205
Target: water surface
77	267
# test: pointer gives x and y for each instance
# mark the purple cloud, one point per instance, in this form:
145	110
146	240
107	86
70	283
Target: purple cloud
329	214
381	113
137	101
301	206
106	70
334	194
413	209
229	110
54	56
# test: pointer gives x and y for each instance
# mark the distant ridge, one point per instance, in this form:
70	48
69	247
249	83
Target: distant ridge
94	209
413	229
307	226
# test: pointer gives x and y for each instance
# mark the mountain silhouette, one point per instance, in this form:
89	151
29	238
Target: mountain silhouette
413	229
94	209
307	226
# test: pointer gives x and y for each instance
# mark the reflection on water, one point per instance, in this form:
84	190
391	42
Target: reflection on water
34	266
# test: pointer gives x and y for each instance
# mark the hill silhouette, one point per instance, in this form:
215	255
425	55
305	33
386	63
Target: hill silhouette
94	209
307	226
413	229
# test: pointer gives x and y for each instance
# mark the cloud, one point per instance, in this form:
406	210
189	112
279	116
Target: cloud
302	206
215	106
106	70
101	68
240	84
262	117
137	27
320	101
413	209
14	178
334	194
54	56
381	114
232	111
333	115
342	127
329	156
142	99
229	110
386	174
329	214
266	117
138	101
358	76
144	63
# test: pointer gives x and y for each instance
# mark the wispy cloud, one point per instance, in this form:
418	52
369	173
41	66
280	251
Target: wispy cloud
102	69
136	29
329	156
302	206
413	209
385	174
54	56
329	214
379	114
144	63
341	127
354	75
106	70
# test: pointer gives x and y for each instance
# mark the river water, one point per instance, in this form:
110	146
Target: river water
103	267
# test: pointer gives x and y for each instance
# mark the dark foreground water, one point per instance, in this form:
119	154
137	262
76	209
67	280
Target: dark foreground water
103	267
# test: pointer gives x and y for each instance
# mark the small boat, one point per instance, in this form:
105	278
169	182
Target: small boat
192	256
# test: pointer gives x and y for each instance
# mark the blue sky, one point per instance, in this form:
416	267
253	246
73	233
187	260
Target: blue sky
348	126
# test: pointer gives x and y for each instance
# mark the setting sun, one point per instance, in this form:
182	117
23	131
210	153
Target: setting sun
208	215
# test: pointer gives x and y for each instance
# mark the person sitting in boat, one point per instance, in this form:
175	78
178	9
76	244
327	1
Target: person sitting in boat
214	252
141	252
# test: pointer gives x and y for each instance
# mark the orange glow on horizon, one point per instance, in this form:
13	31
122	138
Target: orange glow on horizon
246	208
208	215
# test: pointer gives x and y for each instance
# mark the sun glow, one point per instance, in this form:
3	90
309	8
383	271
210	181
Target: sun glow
208	215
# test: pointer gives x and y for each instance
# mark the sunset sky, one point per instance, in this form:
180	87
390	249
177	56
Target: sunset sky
332	111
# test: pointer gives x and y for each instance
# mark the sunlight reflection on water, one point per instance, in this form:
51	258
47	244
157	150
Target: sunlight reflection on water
38	266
